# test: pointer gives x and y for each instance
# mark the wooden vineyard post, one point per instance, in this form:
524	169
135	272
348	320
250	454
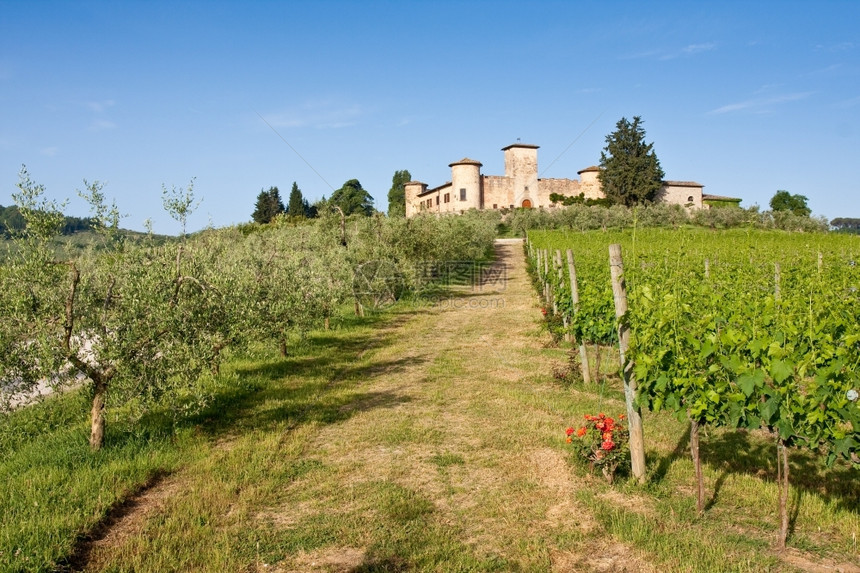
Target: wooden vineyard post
547	295
537	263
776	279
634	416
574	299
557	265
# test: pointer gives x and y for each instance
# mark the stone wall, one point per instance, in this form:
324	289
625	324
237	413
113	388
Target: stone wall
686	193
546	187
498	192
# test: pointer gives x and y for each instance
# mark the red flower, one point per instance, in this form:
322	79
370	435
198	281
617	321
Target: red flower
581	432
569	431
607	436
569	440
607	445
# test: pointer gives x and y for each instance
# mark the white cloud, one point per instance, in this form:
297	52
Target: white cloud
49	151
760	105
100	106
320	115
696	48
766	88
837	47
688	51
671	54
101	125
643	55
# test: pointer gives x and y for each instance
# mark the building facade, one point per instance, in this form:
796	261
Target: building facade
521	187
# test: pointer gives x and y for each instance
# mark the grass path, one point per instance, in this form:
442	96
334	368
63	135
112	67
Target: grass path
432	443
429	447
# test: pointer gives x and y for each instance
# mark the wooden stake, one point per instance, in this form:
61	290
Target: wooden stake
559	275
574	299
634	416
697	464
776	278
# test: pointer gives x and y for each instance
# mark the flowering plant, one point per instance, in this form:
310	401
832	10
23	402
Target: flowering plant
603	442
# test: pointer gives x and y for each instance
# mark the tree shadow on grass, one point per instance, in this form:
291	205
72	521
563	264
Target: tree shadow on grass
324	361
751	453
745	452
681	450
321	386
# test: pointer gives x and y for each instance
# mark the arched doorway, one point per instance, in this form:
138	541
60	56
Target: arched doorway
527	204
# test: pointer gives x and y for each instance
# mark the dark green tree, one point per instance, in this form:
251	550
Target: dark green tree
846	224
310	210
269	205
296	205
352	198
11	220
785	201
397	193
630	172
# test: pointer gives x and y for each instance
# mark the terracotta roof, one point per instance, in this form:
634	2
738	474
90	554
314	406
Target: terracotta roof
587	169
466	161
415	183
683	184
435	189
526	145
706	196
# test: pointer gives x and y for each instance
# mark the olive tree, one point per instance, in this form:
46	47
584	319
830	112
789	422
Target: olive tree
126	319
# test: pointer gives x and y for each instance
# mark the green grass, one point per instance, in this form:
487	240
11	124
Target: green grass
416	439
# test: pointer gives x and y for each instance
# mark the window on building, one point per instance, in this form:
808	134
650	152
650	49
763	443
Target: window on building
690	199
437	199
462	194
495	206
447	197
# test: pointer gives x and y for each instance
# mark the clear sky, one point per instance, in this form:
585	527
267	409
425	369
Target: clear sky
744	97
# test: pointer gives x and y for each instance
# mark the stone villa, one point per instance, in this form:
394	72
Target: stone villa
521	187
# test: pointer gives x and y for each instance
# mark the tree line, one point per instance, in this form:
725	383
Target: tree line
351	199
11	221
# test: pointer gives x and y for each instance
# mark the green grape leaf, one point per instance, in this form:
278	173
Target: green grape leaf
750	381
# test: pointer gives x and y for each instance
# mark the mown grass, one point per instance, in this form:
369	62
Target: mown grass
418	439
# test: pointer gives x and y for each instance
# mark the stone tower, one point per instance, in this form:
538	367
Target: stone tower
412	190
466	184
521	168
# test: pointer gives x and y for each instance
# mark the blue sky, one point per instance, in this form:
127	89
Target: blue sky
744	97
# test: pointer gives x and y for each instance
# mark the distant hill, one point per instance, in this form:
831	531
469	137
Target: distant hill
11	221
77	234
